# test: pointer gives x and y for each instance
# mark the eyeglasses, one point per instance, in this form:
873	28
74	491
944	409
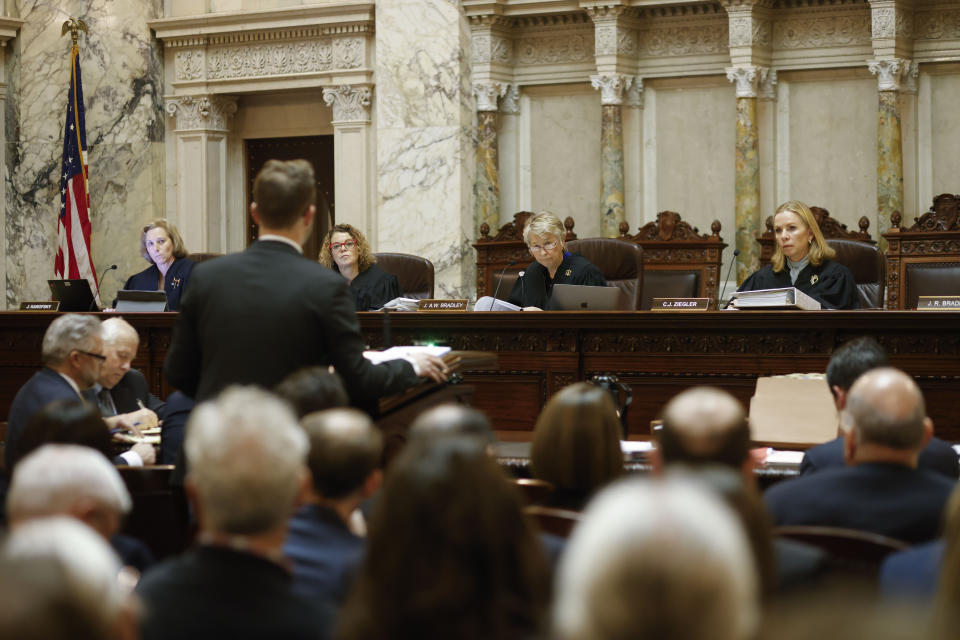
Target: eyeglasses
349	244
547	247
96	356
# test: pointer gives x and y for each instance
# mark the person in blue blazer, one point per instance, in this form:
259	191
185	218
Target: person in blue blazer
169	270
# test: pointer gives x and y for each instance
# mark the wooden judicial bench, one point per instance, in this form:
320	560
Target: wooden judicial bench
658	354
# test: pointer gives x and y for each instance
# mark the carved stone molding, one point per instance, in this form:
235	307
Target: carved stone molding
910	78
749	31
190	64
767	86
747	78
350	104
891	22
487	93
283	59
510	100
202	113
815	31
889	72
685	39
612	87
633	97
491	48
612	39
937	24
556	49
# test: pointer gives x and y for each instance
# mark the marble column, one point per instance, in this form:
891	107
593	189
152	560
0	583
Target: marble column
612	88
747	170
487	186
200	135
123	85
426	153
889	141
353	149
8	30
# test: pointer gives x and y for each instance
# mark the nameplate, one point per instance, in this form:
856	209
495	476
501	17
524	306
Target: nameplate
680	304
442	305
40	305
938	303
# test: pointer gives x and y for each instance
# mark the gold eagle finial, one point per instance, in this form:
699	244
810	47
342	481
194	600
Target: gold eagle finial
74	26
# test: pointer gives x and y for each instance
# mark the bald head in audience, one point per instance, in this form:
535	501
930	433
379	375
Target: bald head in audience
705	425
885	419
656	559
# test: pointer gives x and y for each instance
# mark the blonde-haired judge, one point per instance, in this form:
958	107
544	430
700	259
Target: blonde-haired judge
170	268
543	235
802	259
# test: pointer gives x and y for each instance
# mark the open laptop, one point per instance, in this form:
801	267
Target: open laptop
73	295
578	297
131	300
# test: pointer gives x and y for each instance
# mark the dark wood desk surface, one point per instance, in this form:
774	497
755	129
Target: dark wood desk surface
658	354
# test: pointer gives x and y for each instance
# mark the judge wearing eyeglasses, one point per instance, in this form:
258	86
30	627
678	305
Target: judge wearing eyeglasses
543	235
346	251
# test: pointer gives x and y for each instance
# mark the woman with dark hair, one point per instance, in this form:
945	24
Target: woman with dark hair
449	554
67	422
169	270
346	251
576	444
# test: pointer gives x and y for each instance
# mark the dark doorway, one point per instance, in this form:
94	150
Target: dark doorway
318	151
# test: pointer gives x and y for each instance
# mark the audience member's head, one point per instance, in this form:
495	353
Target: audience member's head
576	440
120	343
848	362
450	553
345	450
452	420
313	389
68	480
91	573
283	191
656	559
66	422
73	346
885	416
247	462
705	425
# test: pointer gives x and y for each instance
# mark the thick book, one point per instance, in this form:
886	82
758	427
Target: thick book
786	298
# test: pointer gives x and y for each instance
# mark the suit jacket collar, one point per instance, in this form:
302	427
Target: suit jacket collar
271	240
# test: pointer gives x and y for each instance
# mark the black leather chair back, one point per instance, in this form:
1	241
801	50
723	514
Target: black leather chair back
869	268
661	283
931	279
620	261
414	273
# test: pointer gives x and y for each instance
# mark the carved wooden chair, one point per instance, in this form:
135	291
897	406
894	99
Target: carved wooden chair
678	261
203	257
856	250
414	273
924	259
506	253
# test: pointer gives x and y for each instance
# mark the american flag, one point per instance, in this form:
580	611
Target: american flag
73	228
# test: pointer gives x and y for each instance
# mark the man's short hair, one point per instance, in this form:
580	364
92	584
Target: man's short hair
852	359
656	558
313	389
69	332
247	457
116	329
345	448
886	407
283	191
54	478
704	425
452	420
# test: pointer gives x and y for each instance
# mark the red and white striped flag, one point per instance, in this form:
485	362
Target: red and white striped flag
73	228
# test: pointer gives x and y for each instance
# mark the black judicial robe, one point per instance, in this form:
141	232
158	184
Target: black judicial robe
535	287
373	288
831	283
174	283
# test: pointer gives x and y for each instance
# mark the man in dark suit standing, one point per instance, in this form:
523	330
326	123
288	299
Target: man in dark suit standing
255	317
344	460
880	490
848	362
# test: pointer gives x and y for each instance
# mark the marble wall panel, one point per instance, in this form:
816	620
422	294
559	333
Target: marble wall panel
832	150
565	155
945	138
121	68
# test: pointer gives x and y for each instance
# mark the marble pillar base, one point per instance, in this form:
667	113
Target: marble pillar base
487	192
611	171
889	162
747	188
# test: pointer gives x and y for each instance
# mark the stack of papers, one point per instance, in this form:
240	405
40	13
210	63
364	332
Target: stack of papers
401	304
398	353
788	297
487	303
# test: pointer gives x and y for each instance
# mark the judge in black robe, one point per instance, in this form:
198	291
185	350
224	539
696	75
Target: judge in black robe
533	290
346	251
802	260
169	270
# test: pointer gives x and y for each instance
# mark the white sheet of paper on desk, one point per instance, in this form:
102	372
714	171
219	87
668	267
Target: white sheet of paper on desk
398	353
636	446
777	456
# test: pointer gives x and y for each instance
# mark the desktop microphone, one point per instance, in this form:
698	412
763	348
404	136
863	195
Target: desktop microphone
736	252
103	273
500	279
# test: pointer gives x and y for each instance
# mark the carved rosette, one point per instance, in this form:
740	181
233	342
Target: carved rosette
747	78
487	93
510	100
350	104
190	64
203	112
890	72
612	87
